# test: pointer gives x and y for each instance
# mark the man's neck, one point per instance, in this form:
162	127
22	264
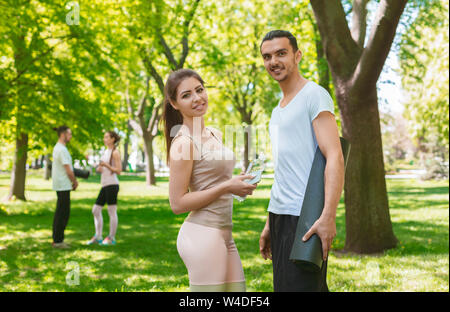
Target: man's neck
62	141
292	85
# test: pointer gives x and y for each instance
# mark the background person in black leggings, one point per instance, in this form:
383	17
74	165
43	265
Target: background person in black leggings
64	181
110	166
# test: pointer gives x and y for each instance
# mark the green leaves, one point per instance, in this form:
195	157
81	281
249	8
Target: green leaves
424	67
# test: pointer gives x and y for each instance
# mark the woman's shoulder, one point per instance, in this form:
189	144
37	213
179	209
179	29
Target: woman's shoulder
116	152
182	148
181	139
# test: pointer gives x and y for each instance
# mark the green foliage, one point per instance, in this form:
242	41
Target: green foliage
424	66
54	72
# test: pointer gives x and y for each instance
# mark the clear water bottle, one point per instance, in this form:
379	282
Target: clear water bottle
255	169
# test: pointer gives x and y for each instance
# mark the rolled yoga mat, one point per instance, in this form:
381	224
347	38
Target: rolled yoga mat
309	254
80	173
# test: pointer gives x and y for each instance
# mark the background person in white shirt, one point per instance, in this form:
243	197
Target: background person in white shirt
64	181
303	120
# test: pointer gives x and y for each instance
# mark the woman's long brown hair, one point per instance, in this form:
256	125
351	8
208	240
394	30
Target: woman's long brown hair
172	117
116	139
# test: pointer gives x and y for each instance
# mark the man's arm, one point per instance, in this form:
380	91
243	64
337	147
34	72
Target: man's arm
327	135
264	242
71	176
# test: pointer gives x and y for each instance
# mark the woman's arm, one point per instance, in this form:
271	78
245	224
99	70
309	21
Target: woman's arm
181	164
117	169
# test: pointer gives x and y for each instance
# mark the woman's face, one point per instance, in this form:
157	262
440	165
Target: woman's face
192	99
107	139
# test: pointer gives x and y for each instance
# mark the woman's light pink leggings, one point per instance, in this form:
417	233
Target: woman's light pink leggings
211	258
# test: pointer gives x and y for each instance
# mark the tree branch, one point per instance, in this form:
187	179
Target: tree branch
380	41
128	101
142	102
167	52
153	122
152	71
184	40
359	22
136	127
184	53
339	45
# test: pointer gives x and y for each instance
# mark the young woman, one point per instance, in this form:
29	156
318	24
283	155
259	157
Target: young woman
110	166
201	183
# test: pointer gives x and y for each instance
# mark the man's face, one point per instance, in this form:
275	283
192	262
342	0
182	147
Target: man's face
67	135
279	58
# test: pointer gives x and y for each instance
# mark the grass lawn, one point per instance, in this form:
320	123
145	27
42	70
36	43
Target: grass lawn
146	259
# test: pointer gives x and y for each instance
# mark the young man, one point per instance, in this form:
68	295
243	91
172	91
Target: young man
303	120
64	181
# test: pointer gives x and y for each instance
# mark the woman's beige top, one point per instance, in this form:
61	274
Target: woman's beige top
213	166
108	177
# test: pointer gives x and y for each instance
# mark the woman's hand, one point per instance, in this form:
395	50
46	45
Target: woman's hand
238	187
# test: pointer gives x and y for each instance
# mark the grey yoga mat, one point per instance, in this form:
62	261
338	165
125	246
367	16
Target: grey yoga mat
309	254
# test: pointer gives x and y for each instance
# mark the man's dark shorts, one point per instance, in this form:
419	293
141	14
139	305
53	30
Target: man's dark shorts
288	276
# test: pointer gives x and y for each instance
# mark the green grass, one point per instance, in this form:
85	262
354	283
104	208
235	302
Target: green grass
146	258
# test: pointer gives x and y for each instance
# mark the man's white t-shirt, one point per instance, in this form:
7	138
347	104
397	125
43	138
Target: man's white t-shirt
61	157
294	145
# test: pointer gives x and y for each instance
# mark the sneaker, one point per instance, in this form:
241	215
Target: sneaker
60	245
94	241
108	242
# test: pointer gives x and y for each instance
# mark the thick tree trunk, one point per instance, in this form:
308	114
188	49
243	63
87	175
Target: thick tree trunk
368	223
355	69
17	189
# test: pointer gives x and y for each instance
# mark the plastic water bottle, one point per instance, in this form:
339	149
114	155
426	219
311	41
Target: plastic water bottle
255	169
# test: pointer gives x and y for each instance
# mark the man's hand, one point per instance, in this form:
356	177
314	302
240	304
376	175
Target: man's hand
74	185
325	228
264	244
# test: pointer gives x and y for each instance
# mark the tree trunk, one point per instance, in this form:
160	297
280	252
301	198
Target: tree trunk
247	145
368	223
19	168
125	155
355	69
150	178
47	171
